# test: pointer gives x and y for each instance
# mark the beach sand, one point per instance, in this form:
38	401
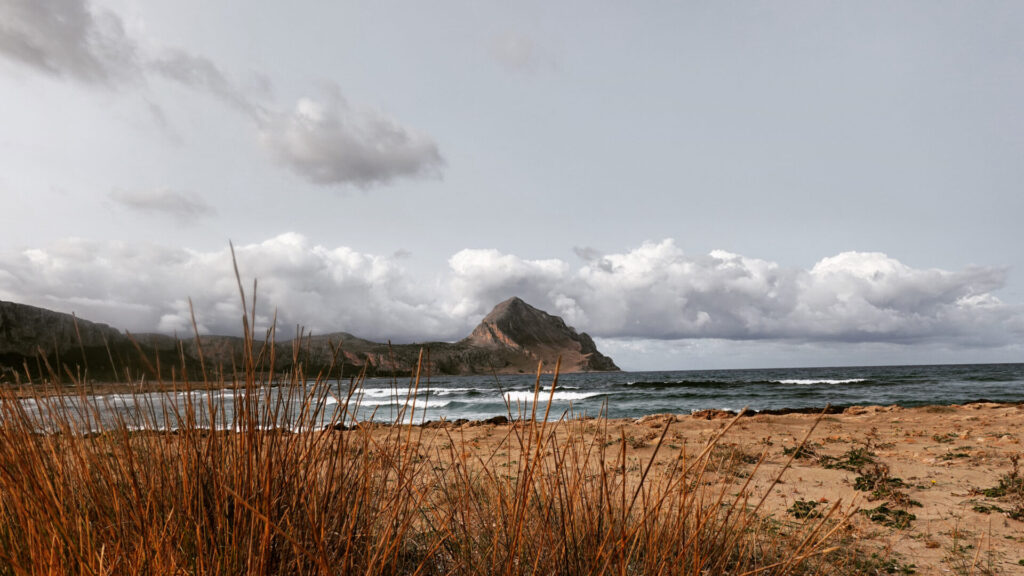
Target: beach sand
944	456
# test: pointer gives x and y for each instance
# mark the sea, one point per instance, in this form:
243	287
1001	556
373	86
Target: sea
590	394
636	394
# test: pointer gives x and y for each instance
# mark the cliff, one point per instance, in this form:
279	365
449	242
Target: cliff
517	327
513	338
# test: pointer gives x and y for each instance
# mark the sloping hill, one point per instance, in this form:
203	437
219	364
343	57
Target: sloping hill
513	338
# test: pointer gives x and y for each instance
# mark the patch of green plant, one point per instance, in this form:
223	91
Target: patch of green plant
953	455
883	486
878	481
947	439
1010	487
878	564
891	517
986	509
853	460
802	452
995	492
896	567
804	509
856	560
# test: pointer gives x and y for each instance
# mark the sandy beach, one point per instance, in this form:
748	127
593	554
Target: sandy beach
936	463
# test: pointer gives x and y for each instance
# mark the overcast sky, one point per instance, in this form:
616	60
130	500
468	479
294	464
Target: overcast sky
697	185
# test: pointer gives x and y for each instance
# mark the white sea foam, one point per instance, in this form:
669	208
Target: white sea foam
450	391
810	381
527	396
399	402
380	392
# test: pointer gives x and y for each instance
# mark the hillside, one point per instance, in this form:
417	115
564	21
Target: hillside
513	338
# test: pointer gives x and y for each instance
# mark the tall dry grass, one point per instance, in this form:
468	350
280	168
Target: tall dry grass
290	482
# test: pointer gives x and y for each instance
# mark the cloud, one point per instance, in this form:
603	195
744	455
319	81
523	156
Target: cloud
202	74
653	293
587	253
183	207
66	38
657	291
517	52
328	141
145	287
482	278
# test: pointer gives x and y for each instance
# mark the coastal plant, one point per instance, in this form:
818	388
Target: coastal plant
253	497
804	509
882	485
1010	488
891	517
854	460
808	451
248	469
966	559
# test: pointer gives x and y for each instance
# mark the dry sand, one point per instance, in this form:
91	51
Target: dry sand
944	455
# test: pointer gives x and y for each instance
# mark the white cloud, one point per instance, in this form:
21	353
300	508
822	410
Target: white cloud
326	141
482	278
183	207
201	73
145	287
655	292
330	142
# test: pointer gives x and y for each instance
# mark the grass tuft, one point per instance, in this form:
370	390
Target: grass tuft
277	475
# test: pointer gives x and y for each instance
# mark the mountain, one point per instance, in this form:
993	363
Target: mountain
42	341
513	338
518	327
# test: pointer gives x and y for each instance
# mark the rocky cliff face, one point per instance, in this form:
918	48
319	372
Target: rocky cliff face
513	338
518	327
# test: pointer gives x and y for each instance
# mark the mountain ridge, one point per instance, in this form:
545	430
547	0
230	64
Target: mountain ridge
513	338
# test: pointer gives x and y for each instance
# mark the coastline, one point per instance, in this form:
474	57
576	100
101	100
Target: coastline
924	490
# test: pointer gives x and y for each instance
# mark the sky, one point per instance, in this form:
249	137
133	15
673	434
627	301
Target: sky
695	184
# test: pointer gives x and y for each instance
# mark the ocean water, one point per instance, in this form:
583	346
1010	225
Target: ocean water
614	394
635	394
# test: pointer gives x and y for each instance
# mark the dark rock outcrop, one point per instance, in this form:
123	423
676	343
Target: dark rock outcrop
516	326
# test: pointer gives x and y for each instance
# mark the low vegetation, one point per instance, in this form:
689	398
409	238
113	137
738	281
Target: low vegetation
289	481
1010	489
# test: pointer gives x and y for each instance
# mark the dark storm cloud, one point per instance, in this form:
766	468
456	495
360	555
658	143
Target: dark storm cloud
66	38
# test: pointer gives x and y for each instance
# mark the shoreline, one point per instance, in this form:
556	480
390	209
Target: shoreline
24	391
934	489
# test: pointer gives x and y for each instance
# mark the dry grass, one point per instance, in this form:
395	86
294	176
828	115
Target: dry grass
289	482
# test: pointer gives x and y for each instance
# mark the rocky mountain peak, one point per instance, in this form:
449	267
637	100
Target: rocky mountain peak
515	325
